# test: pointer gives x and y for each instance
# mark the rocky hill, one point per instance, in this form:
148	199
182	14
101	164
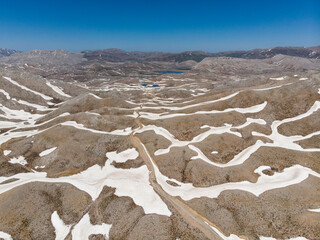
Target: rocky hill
295	63
305	52
231	65
228	65
7	52
46	57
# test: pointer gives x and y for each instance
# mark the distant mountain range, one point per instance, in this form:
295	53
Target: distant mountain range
118	55
6	52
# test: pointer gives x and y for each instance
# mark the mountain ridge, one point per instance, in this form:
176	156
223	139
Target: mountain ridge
118	55
7	52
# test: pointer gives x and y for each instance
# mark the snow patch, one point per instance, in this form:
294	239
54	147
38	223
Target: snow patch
158	116
212	130
237	159
271	238
5	236
57	90
36	106
93	95
84	229
46	152
5	93
28	89
289	176
192	105
129	154
314	210
279	78
6	152
61	230
231	237
260	169
19	160
43	166
126	131
132	183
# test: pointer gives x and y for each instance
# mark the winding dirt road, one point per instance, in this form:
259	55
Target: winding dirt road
189	215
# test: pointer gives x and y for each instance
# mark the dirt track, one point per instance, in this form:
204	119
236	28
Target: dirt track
189	215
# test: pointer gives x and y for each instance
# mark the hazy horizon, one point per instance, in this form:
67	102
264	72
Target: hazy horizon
194	50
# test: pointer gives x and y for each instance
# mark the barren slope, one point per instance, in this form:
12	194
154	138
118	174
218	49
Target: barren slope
229	150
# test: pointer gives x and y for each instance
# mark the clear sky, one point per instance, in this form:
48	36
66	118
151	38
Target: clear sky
159	25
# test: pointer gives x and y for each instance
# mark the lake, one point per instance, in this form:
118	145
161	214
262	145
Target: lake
172	72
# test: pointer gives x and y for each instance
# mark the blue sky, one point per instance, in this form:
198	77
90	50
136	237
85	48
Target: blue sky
162	25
